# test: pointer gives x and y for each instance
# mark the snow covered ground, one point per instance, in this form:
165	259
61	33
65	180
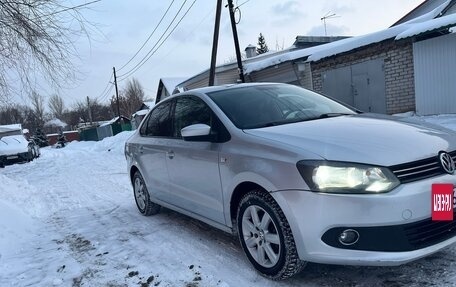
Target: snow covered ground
69	219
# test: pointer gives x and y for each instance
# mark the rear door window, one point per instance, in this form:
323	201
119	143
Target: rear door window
159	122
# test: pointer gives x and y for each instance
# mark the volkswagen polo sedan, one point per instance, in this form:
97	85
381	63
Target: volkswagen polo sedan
298	176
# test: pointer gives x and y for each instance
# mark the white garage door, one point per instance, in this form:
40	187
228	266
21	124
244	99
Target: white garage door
435	75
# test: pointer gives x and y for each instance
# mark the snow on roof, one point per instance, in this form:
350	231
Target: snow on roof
140	113
8	128
416	29
255	61
55	123
430	15
109	122
349	44
149	104
171	83
278	58
411	28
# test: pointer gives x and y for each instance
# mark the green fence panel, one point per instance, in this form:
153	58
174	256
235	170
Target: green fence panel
116	128
89	134
126	127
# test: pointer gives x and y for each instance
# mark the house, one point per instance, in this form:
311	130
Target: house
167	86
265	67
138	116
406	67
55	126
399	69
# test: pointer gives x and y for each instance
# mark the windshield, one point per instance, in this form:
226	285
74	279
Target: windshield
7	132
271	105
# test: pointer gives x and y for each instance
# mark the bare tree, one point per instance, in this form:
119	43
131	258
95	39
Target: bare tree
56	106
37	38
38	108
134	96
100	112
130	98
13	114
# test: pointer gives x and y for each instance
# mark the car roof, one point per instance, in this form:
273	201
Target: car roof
206	90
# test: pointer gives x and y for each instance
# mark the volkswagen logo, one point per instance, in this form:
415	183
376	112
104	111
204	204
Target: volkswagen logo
447	162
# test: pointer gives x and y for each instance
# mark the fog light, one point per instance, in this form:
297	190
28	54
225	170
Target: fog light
349	237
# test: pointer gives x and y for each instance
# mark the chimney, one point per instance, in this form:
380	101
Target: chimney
250	51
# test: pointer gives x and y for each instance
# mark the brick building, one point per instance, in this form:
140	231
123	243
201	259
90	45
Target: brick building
376	78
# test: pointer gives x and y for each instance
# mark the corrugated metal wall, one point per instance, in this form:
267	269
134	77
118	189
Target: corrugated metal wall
227	77
221	78
198	84
435	77
281	73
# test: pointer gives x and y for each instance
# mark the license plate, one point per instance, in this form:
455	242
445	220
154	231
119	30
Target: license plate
12	157
443	201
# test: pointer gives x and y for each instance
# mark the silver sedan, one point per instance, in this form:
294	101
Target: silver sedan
298	176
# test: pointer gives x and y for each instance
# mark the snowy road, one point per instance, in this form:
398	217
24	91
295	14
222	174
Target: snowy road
69	219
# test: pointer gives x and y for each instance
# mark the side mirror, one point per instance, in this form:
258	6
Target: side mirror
197	133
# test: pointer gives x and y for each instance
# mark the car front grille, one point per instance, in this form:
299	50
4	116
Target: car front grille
413	171
427	232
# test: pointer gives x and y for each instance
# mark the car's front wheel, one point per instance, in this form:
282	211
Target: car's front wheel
142	198
266	237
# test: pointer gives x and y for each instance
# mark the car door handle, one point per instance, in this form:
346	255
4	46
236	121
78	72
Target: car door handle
141	149
170	154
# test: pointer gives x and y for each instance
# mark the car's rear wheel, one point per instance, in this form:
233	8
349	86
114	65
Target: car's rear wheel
266	236
142	197
30	156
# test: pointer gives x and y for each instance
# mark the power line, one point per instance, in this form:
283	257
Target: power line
147	40
242	3
102	94
140	63
210	11
106	95
152	51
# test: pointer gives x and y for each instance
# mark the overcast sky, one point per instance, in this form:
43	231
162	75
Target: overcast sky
125	25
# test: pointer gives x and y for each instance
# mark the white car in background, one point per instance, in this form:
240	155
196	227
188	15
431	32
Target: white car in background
14	147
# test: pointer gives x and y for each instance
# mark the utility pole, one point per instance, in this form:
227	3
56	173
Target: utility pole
215	42
117	92
90	112
236	41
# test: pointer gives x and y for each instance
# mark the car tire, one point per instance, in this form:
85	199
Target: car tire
266	236
30	156
142	197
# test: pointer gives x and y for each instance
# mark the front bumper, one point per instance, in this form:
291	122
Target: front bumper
390	225
14	158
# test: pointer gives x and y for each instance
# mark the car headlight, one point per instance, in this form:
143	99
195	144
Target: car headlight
343	177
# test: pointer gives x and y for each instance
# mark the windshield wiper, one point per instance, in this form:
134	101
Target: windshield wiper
276	123
331	115
296	120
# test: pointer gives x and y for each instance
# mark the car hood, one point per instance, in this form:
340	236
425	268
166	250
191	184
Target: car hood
365	138
11	145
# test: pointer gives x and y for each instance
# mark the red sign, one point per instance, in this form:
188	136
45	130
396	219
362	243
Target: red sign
442	202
